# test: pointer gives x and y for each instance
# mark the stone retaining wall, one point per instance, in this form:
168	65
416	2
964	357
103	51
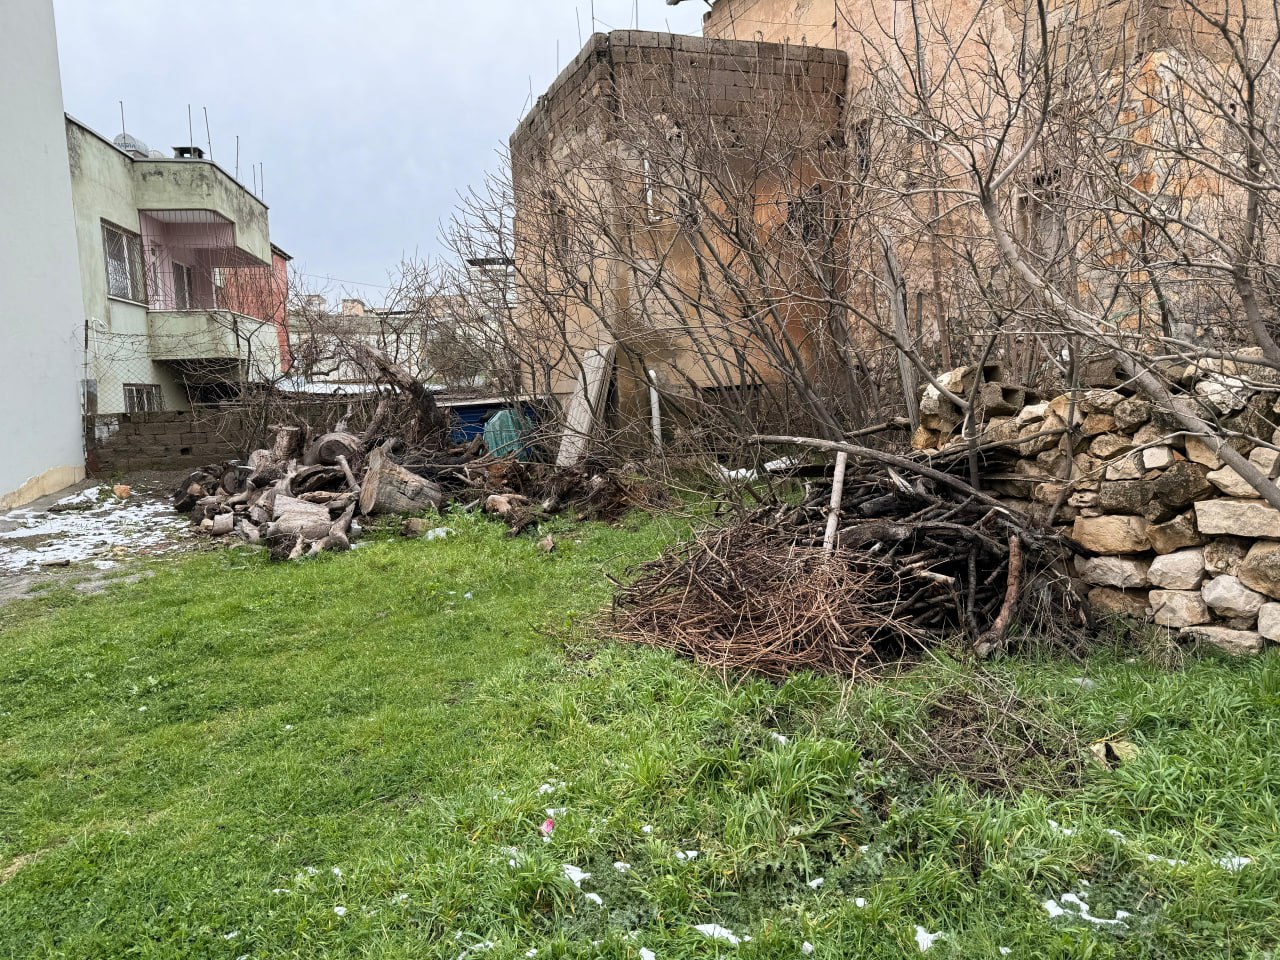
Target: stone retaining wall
1171	534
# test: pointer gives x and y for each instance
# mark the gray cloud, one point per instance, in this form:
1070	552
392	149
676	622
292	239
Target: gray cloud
369	117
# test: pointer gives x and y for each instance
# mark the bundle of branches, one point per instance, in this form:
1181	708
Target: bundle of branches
911	564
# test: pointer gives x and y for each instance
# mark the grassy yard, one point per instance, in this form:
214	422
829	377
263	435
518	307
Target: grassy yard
354	757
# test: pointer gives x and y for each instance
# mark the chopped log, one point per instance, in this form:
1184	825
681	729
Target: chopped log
206	509
223	524
185	500
288	444
293	516
330	447
390	488
314	478
234	478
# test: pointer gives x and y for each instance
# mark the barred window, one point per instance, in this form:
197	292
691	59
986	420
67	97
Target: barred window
142	398
181	286
124	264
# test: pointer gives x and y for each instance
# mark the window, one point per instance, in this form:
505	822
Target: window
124	264
142	398
181	286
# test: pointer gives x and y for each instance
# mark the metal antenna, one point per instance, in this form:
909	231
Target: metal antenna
237	156
577	15
191	137
123	128
207	134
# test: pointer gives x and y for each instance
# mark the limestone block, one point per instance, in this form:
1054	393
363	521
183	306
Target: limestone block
1237	643
1260	569
1200	451
1268	620
1238	518
1130	414
1178	608
1222	557
1101	401
1265	459
1108	446
1125	573
1183	570
1231	483
1182	484
1124	496
1096	424
1228	597
1112	535
1126	468
1157	458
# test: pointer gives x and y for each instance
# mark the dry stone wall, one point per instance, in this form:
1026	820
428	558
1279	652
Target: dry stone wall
1168	532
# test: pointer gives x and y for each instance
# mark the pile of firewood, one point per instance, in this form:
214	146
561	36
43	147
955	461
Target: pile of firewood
303	501
909	562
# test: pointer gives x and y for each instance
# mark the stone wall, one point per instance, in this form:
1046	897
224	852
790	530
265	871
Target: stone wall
174	439
1169	533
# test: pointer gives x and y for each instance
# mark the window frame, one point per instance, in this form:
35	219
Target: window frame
186	287
132	269
143	397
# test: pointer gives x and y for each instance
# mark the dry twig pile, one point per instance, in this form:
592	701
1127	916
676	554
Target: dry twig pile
912	563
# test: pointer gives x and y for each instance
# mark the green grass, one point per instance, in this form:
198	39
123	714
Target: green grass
194	756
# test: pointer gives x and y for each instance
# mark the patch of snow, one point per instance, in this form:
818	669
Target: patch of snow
646	829
1065	831
779	738
280	890
557	811
806	948
1115	833
1005	951
439	533
340	911
622	867
860	902
337	872
1081	912
714	931
647	954
483	947
231	936
116	527
686	854
1156	858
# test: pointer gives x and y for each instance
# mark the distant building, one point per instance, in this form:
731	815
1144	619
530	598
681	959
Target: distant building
184	294
42	449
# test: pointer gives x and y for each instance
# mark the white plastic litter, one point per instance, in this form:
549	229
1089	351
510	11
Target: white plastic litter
1233	864
779	738
646	829
483	947
646	954
622	867
1156	858
1081	911
594	898
575	875
860	902
714	931
686	854
925	939
340	911
806	948
1065	831
439	533
816	883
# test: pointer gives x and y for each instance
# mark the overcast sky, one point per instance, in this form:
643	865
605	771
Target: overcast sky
370	117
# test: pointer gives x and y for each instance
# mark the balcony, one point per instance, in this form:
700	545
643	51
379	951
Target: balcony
189	335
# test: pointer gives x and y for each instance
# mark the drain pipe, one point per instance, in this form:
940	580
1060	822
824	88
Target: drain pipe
655	413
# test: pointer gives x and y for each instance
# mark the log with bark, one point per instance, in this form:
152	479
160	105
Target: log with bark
390	488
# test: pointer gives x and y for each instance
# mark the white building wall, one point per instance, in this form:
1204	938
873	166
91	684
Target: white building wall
41	313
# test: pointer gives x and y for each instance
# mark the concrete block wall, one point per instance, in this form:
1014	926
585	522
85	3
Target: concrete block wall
175	439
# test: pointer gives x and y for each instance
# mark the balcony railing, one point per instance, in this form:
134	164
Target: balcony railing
210	335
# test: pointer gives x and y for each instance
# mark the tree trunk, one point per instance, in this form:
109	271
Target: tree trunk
330	447
390	488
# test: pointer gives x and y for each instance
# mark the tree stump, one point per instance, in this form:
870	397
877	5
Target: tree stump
390	488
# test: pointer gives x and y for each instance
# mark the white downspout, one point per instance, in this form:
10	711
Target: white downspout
655	413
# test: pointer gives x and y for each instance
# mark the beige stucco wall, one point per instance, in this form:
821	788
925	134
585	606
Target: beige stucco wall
41	323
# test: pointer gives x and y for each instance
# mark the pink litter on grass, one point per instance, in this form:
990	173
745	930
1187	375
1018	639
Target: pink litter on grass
548	826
